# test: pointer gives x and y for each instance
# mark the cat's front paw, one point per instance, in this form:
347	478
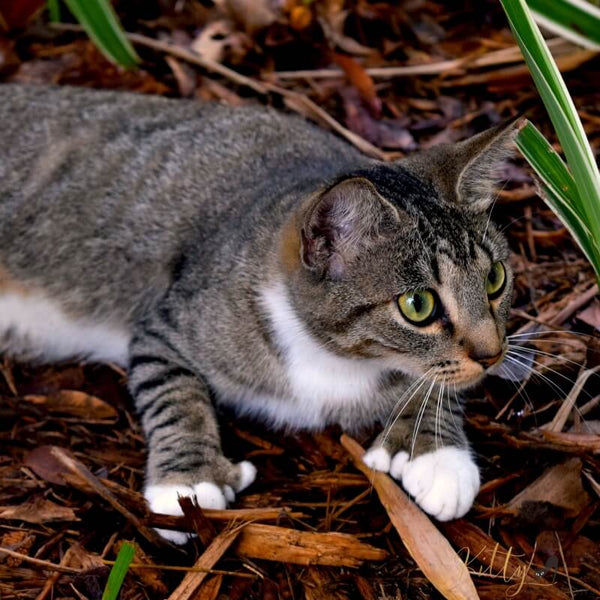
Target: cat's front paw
443	483
163	498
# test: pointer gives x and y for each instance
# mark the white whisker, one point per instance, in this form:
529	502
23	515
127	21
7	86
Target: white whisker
420	417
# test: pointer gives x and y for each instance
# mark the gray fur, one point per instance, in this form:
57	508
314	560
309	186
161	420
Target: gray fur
166	219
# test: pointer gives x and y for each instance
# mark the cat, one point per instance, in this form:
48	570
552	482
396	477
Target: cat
245	258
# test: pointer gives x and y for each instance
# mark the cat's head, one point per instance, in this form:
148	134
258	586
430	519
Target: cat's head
400	263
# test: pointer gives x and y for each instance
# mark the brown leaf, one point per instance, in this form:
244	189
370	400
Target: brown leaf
18	540
591	315
18	14
300	17
44	464
428	547
75	403
557	494
252	15
38	510
361	80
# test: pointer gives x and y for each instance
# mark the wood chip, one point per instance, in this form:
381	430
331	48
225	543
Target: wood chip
190	584
281	544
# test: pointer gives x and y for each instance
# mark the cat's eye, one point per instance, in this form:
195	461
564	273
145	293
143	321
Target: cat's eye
418	307
494	284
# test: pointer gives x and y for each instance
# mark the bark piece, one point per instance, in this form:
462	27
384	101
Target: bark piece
268	542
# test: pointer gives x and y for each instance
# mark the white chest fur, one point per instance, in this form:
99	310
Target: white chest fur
321	382
32	323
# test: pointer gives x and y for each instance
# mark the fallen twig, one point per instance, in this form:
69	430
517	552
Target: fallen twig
45	564
82	473
294	100
193	579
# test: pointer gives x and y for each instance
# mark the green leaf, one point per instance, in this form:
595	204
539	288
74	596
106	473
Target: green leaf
575	20
101	23
54	10
118	572
578	204
558	186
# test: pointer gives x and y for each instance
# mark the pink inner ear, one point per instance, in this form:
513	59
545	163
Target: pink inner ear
336	266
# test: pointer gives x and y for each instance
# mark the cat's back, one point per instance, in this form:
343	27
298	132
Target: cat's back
137	161
99	190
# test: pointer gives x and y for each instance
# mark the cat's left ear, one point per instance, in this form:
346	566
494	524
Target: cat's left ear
479	160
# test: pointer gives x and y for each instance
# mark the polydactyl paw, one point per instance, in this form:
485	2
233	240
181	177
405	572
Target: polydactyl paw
443	483
164	498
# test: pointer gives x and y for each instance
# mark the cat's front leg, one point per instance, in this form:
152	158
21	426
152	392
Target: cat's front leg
179	422
429	453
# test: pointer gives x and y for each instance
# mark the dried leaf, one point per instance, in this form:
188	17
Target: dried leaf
591	315
75	403
43	463
556	495
212	40
361	80
38	510
252	15
429	548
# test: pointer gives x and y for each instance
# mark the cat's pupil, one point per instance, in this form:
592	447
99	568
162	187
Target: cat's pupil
417	303
492	277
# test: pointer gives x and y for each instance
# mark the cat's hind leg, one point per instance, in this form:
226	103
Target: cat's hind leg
426	449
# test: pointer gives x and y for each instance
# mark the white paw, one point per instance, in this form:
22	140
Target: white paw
398	463
247	475
164	499
443	483
378	459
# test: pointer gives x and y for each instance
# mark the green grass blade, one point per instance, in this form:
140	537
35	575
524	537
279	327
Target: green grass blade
54	10
575	20
580	161
533	45
582	236
118	572
558	187
585	204
548	164
101	23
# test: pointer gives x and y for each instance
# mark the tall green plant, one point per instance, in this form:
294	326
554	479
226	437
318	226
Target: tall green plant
572	190
101	23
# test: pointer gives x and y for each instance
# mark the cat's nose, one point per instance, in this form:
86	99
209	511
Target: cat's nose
485	360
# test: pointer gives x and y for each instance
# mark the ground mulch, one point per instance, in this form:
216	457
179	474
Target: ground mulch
391	78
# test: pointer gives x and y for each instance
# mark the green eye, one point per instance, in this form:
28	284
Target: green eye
418	307
494	284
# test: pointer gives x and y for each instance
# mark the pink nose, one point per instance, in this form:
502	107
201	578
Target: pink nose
486	361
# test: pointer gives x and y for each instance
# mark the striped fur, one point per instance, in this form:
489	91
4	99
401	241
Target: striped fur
247	258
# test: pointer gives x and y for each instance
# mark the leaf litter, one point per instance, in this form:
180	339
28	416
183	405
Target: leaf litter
391	78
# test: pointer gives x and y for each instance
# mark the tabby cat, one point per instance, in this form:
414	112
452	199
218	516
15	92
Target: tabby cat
246	258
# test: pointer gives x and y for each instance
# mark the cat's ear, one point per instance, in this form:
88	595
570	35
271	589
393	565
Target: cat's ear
343	222
479	159
466	173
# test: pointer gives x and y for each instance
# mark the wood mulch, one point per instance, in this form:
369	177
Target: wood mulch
391	78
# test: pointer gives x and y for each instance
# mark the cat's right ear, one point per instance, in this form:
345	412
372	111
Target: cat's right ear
343	222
